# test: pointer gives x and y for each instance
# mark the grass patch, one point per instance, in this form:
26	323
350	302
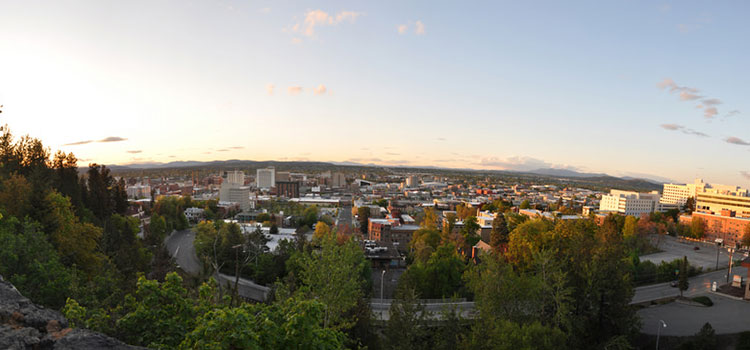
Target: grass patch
703	300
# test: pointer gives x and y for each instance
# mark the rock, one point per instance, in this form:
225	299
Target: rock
25	325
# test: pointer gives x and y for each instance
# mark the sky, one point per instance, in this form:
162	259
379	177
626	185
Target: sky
627	88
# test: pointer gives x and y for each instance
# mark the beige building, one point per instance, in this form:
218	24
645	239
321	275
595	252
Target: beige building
233	190
678	194
631	203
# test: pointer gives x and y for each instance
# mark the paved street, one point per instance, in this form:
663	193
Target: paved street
180	246
345	217
725	316
698	285
675	248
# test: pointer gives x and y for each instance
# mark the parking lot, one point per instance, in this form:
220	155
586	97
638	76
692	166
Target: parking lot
675	248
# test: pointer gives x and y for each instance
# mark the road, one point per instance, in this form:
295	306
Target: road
180	246
697	285
380	309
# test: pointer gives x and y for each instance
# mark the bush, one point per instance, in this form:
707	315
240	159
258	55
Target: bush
703	300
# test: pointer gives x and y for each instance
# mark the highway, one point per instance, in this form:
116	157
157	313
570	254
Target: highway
180	246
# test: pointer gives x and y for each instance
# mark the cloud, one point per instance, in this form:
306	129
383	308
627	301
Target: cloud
172	156
520	163
402	28
78	143
320	90
294	90
393	154
733	113
711	102
441	139
134	151
319	18
419	28
737	141
112	139
686	96
269	89
745	174
222	150
237	147
682	129
710	112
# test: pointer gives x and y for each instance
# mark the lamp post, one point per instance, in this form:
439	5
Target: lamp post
236	269
658	332
382	278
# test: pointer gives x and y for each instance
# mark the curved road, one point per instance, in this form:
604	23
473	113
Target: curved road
180	246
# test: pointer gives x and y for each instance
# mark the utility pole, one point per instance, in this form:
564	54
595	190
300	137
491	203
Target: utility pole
718	249
658	332
731	253
236	270
382	278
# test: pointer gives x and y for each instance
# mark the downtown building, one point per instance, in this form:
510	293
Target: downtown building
633	203
265	178
233	190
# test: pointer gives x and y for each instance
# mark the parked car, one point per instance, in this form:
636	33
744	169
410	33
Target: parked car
696	248
673	284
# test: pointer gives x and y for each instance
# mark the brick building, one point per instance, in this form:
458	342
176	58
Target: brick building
725	226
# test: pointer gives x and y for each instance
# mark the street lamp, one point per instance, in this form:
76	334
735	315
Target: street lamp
658	332
382	278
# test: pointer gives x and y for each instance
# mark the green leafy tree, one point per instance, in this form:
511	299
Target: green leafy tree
525	204
697	227
683	283
124	248
406	327
469	232
499	236
630	228
291	324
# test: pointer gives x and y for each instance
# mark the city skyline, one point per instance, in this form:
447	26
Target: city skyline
629	89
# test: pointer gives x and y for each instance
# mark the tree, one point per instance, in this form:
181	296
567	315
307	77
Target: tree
77	243
630	229
336	275
120	242
469	232
15	196
406	328
746	236
321	230
689	206
525	204
683	283
697	227
430	219
99	198
363	216
291	324
499	236
157	230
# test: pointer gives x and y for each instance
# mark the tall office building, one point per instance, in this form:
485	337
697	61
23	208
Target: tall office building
265	178
233	189
631	203
338	180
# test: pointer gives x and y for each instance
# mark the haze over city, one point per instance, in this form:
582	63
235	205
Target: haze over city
625	88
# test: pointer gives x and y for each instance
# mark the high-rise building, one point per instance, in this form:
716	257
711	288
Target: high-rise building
233	189
338	180
288	189
412	181
632	203
720	198
265	178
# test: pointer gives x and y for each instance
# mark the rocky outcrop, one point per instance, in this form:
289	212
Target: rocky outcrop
24	325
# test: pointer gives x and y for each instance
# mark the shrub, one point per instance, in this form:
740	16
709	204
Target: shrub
703	300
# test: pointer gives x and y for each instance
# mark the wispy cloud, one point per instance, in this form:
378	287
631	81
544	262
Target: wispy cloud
320	18
745	174
106	139
737	141
78	143
222	150
134	151
320	90
294	90
237	147
441	139
402	28
710	112
711	102
682	129
419	28
112	139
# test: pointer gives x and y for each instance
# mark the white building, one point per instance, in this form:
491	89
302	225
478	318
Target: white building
631	203
678	194
233	190
194	214
265	178
139	191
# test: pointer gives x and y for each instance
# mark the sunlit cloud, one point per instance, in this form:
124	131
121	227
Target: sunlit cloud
269	89
737	141
113	139
745	174
419	28
686	96
684	130
319	18
294	90
134	151
402	28
691	94
710	112
78	143
711	101
320	90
